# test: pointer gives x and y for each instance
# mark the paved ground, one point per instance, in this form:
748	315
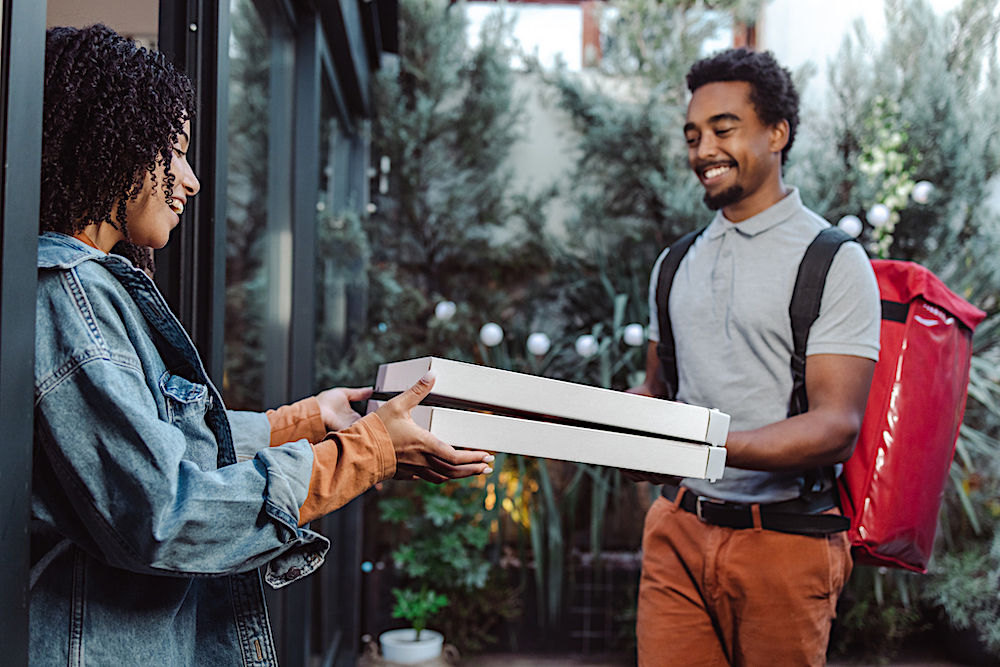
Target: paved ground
548	660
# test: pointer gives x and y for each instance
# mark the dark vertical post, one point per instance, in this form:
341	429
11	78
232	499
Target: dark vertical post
308	95
191	269
348	590
22	63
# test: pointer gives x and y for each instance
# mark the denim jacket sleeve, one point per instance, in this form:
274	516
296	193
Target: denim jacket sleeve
127	442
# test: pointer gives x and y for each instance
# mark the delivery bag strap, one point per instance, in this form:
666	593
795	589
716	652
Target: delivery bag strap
666	349
803	310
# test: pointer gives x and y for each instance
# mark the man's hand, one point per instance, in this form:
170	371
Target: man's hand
653	384
651	477
335	406
419	454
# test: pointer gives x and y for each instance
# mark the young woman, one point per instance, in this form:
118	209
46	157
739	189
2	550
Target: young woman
153	506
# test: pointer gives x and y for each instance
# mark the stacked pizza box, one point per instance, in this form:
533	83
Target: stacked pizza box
478	407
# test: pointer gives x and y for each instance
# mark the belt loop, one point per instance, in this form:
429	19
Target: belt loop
679	496
755	513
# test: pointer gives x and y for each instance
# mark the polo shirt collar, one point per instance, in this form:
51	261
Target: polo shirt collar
763	221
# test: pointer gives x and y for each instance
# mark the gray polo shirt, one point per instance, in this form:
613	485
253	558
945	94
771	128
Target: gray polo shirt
733	334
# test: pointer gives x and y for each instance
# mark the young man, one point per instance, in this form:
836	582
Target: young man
750	595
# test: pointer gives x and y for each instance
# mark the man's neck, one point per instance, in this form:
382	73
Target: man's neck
766	196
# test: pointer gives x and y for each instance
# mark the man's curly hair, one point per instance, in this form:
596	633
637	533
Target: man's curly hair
113	111
771	89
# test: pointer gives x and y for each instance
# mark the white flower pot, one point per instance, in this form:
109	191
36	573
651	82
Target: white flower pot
402	646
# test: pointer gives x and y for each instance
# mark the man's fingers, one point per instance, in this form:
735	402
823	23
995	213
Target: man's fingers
652	478
355	394
413	473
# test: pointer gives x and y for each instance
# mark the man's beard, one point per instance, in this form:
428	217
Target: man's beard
724	198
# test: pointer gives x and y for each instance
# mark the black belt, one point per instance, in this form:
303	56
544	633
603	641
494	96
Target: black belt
791	516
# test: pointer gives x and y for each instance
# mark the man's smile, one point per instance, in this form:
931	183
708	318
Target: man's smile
713	172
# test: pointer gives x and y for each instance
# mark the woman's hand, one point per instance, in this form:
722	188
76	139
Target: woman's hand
335	406
419	454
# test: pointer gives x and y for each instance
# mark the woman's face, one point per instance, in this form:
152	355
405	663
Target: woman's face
150	218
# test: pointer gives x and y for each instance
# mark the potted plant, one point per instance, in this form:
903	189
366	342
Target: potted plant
417	643
440	555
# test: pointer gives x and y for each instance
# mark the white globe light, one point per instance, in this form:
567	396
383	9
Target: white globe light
491	334
538	343
445	310
586	345
878	215
851	224
922	191
634	335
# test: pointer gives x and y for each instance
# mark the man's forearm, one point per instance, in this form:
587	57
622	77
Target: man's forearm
812	440
837	386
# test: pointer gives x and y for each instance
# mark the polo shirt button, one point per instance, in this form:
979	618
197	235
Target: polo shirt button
292	574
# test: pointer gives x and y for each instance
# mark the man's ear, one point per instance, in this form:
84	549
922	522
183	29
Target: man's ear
779	136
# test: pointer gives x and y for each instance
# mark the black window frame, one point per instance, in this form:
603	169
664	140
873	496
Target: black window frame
21	72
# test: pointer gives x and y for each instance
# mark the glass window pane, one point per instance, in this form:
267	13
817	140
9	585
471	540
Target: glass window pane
341	252
246	270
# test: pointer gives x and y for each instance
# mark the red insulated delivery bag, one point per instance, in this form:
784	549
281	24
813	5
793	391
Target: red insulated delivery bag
892	486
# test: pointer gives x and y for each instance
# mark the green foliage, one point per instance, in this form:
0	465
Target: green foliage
917	107
449	227
877	618
633	191
445	537
442	555
659	40
417	606
966	586
471	620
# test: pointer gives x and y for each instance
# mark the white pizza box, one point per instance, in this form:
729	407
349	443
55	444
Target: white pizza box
545	399
513	435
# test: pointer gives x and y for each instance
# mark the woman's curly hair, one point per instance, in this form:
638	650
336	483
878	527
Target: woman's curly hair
771	89
113	111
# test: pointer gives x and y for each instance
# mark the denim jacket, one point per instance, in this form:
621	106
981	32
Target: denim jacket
146	534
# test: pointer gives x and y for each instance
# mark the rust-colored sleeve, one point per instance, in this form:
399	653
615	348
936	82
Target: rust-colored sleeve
346	464
299	420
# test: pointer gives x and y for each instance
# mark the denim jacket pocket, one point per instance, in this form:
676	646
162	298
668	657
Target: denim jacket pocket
187	406
185	399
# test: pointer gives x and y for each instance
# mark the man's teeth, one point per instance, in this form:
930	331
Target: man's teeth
177	207
716	171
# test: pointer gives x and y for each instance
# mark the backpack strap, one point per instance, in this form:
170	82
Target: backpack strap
803	310
805	304
665	349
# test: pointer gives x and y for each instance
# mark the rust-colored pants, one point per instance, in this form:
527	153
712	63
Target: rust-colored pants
712	596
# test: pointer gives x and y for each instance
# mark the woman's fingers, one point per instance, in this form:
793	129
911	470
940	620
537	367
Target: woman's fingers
357	394
410	398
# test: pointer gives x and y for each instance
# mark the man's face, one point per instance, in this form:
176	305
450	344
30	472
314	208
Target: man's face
729	148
